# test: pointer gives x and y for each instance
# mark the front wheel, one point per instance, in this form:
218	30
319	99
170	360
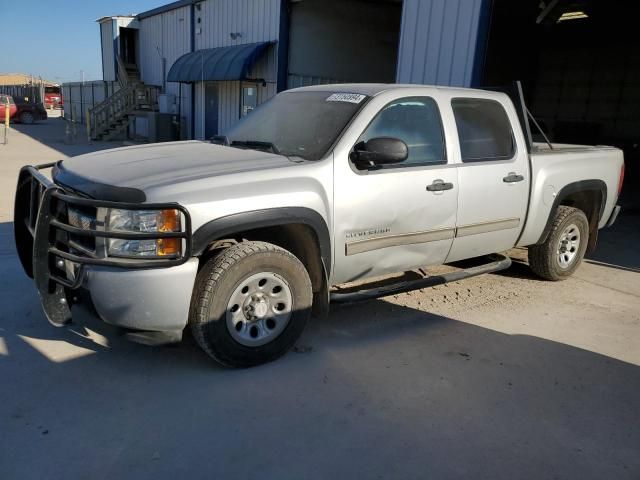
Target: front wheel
250	304
562	252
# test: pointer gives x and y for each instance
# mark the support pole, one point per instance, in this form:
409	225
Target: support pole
7	112
88	118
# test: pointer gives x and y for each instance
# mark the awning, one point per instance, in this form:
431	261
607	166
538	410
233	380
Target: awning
223	63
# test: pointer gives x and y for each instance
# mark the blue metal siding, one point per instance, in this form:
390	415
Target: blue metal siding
438	41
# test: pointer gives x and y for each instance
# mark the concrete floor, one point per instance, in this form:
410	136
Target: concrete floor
498	377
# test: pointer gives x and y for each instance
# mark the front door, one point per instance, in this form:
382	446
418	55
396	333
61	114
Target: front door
210	110
494	178
385	219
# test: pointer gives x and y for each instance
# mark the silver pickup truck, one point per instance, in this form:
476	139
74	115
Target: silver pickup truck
243	237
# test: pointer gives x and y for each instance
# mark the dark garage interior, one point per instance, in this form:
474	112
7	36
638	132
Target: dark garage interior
333	41
579	63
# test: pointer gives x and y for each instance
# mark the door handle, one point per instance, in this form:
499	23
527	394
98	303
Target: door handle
439	186
513	177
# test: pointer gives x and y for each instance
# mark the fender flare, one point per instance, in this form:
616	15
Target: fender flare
574	187
271	217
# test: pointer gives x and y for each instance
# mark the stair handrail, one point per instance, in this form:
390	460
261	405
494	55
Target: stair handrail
123	76
121	103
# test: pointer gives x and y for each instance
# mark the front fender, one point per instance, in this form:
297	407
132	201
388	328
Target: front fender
229	225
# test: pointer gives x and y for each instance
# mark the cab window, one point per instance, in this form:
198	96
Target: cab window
416	121
484	130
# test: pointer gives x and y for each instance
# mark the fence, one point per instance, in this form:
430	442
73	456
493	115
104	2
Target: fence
78	97
34	92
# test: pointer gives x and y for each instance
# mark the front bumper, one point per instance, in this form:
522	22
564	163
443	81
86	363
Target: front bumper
143	299
62	257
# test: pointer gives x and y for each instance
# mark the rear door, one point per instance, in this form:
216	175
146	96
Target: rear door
493	174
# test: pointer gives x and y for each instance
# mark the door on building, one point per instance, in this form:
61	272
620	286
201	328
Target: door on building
494	178
210	110
129	45
375	235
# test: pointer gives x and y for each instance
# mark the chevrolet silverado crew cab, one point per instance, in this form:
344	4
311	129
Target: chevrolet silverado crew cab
241	238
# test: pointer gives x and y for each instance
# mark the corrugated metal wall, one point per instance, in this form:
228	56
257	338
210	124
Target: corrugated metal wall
255	21
108	59
438	41
168	36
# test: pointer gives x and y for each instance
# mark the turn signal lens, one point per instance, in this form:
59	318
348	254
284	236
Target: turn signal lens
169	221
621	179
169	247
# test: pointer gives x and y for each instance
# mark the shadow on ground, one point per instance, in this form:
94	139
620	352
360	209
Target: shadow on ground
375	391
58	134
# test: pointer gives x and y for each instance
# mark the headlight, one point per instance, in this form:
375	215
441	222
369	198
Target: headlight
144	221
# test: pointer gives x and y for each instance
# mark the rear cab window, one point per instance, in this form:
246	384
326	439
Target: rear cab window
484	130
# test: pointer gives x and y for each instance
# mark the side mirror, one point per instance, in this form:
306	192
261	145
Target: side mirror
379	151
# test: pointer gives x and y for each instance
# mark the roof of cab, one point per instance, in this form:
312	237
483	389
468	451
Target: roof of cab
371	89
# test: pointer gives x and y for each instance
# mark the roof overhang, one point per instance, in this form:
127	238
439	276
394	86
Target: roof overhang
217	64
166	8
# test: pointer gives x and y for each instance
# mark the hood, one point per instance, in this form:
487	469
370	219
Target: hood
124	174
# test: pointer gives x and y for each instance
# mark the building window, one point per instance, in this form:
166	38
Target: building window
249	99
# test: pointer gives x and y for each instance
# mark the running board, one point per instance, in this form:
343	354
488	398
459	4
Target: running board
501	262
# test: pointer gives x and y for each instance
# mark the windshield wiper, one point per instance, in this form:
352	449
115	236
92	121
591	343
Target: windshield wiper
256	145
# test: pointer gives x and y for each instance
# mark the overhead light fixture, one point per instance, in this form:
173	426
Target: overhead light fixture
572	16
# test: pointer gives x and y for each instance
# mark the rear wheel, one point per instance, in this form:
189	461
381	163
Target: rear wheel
250	304
27	118
562	252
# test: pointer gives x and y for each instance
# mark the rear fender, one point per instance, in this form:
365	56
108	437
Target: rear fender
594	210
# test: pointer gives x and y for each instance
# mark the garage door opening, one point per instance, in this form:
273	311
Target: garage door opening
579	62
338	41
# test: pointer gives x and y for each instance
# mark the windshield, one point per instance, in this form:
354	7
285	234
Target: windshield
297	124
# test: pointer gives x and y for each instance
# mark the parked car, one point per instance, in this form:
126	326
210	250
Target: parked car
319	187
30	112
53	97
6	101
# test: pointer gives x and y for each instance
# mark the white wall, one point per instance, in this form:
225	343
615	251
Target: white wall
108	54
168	36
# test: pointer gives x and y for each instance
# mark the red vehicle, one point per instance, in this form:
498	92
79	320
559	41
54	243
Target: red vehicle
6	101
53	97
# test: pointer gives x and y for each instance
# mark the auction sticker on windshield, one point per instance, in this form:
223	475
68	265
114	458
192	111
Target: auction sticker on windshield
346	97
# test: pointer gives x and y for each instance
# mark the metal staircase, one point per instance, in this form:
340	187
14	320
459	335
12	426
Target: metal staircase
110	118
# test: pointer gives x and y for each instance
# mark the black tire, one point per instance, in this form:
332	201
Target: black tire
545	259
27	118
221	277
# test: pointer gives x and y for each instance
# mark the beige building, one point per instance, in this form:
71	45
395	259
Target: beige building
23	79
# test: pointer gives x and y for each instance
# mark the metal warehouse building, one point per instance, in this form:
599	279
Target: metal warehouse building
213	61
